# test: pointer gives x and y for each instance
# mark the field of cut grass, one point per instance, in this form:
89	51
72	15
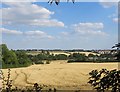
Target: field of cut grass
86	53
58	75
59	52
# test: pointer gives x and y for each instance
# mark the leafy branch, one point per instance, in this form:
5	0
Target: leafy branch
105	80
58	1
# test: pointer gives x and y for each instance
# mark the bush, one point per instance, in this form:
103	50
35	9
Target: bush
71	61
39	62
103	80
77	61
47	62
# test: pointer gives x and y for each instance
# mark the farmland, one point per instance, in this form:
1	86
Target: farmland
57	74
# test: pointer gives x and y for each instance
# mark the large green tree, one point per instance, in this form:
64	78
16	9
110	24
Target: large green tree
78	57
8	56
11	58
22	58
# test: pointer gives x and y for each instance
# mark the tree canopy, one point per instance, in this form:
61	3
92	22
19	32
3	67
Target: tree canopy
12	58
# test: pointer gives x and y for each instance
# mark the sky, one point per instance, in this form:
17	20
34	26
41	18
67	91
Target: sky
83	25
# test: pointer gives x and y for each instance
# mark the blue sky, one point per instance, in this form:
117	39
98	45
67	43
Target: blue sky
86	25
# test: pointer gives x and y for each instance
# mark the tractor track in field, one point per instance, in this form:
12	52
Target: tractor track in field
15	78
26	78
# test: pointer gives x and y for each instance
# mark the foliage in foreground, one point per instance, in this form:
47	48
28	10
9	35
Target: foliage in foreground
58	1
118	51
101	81
105	80
7	85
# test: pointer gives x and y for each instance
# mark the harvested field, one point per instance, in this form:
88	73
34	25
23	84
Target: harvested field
61	52
58	75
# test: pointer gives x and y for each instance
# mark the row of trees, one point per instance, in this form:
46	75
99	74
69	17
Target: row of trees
75	57
18	58
49	57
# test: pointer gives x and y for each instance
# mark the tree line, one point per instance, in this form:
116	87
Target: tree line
20	58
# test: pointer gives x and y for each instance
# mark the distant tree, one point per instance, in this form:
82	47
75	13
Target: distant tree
47	52
92	56
42	51
60	57
51	57
11	58
41	56
78	57
4	49
23	58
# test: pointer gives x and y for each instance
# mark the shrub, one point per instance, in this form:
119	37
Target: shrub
103	80
47	62
7	83
37	88
39	62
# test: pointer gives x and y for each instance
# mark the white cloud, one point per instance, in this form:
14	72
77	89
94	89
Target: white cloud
114	16
38	34
13	32
116	20
26	13
65	33
48	23
30	34
108	3
89	29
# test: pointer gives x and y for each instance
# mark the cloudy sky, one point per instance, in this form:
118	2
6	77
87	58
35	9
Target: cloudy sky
86	25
